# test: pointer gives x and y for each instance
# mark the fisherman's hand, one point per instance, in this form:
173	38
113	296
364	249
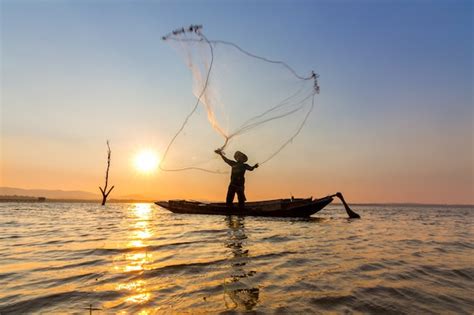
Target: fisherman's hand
255	166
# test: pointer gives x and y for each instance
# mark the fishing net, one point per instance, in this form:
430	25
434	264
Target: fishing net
242	102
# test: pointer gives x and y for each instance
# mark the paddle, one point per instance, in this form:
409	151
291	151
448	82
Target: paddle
350	213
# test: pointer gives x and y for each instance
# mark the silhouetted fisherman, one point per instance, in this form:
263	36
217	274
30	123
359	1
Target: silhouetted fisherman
237	177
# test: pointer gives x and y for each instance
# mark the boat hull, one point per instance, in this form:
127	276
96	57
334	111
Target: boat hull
271	208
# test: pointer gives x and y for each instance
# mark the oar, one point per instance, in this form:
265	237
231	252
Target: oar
350	213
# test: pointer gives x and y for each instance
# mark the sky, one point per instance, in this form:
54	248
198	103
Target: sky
393	122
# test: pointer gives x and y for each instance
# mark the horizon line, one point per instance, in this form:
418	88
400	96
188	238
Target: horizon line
146	200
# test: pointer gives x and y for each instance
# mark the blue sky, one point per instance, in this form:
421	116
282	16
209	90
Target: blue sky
396	89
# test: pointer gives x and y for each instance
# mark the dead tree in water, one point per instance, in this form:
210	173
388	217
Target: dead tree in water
104	191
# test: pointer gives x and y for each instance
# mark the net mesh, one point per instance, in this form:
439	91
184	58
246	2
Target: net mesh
243	102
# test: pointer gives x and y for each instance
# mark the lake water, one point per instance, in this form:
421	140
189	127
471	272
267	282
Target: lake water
141	259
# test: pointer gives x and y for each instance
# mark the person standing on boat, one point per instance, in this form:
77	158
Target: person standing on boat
237	179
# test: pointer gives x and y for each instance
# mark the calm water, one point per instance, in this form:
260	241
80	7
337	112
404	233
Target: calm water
139	258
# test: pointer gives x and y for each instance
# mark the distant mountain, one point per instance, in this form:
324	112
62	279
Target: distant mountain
63	194
50	194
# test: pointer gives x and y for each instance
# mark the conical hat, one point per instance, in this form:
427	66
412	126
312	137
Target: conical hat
240	157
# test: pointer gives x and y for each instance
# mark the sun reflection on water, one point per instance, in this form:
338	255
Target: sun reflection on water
136	243
139	298
142	210
137	291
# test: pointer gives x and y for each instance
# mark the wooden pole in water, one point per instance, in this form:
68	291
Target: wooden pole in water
90	309
349	211
104	191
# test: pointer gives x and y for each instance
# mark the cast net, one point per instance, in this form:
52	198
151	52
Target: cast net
242	102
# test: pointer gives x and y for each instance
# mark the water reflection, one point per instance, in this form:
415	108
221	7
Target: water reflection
239	287
137	258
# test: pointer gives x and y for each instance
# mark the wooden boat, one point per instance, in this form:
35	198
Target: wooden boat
295	207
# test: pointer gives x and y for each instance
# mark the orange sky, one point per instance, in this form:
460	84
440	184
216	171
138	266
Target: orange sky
50	164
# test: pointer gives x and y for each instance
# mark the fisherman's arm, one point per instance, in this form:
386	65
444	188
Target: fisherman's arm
228	161
251	168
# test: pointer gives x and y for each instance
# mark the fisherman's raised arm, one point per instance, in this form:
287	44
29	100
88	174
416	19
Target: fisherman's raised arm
228	161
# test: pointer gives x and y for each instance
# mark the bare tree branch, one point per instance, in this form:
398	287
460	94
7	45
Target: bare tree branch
110	190
103	190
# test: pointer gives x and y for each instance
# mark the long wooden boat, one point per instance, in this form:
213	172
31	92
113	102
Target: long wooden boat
299	207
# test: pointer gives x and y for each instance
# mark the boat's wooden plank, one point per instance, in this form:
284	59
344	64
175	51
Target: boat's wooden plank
277	208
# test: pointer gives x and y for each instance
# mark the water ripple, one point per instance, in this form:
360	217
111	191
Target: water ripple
139	258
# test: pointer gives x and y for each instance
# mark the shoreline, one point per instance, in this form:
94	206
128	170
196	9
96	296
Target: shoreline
403	204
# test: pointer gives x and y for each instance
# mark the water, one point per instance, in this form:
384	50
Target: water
139	258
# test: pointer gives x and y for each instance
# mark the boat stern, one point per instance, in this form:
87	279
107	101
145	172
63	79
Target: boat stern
163	204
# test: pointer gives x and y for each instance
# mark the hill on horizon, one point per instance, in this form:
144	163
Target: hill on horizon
59	194
49	193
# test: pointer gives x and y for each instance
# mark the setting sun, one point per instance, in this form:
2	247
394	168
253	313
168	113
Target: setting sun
146	161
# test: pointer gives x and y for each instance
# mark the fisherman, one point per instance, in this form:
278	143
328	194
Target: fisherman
237	179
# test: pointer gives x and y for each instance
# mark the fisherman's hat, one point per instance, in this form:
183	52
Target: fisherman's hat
240	157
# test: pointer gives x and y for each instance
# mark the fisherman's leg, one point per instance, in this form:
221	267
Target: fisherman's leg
230	195
241	197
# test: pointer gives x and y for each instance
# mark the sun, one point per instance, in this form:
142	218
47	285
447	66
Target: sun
146	161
